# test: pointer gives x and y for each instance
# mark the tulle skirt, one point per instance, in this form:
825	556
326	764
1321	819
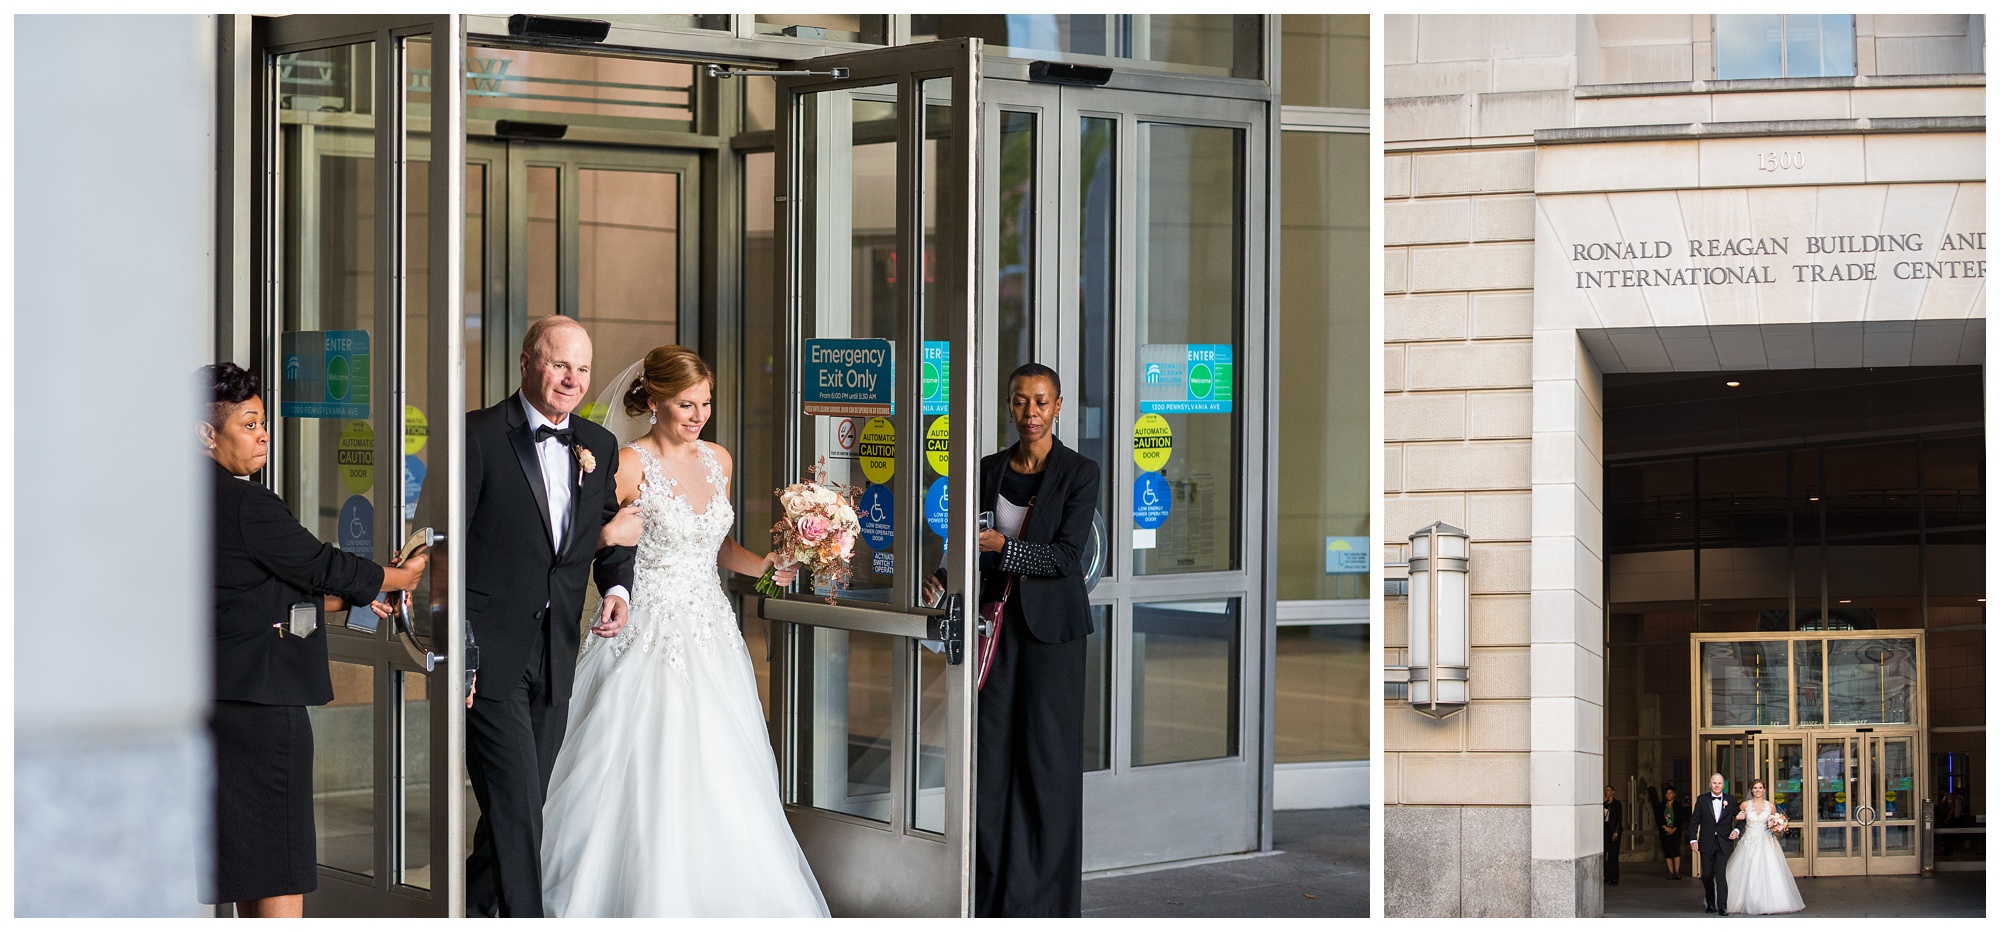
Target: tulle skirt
1760	882
664	800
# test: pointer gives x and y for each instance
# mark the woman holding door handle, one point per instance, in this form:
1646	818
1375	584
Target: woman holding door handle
1030	800
273	582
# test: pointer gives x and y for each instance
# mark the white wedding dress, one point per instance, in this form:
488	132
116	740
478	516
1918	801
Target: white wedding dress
664	800
1760	882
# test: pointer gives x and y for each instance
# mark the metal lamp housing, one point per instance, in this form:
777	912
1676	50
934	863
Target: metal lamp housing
1440	619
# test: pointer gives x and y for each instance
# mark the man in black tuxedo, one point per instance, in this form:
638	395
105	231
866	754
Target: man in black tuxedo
540	485
1715	835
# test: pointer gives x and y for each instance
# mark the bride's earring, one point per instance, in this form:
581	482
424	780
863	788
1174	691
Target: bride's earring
652	417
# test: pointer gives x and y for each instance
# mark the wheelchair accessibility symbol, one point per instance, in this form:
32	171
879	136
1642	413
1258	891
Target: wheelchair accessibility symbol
878	517
355	528
1152	500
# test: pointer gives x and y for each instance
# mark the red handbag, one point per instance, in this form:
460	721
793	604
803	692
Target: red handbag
992	613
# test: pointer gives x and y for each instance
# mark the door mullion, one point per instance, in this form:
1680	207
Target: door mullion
569	236
386	410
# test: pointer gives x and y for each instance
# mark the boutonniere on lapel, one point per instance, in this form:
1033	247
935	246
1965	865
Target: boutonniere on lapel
585	461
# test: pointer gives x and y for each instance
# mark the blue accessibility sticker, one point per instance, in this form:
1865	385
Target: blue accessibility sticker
937	506
413	485
356	526
1152	500
878	517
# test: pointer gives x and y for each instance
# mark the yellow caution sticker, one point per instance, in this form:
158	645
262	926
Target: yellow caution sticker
878	450
355	456
1152	442
416	430
937	445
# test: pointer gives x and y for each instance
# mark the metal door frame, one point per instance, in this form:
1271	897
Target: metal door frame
341	892
1813	736
1123	802
868	868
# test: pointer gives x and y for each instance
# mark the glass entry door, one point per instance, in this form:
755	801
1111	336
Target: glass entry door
359	338
1124	231
1867	805
872	700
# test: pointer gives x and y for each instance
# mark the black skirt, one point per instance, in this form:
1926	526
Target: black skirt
264	839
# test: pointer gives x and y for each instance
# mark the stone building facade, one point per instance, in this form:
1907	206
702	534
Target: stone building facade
1571	196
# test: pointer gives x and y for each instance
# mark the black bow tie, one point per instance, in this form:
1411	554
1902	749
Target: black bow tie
564	435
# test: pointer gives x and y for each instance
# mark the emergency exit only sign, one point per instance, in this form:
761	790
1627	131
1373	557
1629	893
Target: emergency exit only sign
849	377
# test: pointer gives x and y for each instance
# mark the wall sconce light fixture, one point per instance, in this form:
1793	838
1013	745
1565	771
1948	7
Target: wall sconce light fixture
1440	620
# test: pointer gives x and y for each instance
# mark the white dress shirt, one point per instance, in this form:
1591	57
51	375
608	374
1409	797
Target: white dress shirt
559	478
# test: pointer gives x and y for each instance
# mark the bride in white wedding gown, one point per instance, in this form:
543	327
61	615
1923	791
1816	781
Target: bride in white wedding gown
1760	882
664	800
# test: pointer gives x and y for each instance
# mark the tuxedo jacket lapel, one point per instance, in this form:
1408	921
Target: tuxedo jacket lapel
531	465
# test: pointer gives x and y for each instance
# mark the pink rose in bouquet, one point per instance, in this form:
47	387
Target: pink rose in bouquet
813	528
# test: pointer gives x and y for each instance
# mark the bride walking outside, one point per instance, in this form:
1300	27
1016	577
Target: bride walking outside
1760	882
665	800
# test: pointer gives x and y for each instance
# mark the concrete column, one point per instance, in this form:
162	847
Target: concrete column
113	232
1567	647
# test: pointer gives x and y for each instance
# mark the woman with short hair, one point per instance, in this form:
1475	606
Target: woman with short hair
274	582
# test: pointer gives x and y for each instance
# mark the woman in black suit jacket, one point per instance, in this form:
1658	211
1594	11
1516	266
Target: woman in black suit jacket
267	567
1030	798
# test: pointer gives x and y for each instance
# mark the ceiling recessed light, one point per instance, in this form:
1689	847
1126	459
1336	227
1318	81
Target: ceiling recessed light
1846	601
1813	499
1733	384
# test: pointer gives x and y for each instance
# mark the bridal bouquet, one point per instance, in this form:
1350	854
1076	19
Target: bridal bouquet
1779	823
817	531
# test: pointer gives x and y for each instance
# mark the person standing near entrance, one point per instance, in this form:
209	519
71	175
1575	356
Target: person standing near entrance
1671	816
1030	799
539	488
269	573
1714	837
1614	827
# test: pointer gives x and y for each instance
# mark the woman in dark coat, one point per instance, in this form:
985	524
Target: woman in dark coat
1672	818
1030	799
273	579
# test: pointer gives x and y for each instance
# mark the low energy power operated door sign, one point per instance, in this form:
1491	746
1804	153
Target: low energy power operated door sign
849	378
325	374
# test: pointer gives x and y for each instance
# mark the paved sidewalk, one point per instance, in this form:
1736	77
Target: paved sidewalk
1318	870
1644	890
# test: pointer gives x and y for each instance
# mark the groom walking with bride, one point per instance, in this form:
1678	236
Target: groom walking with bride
539	491
1715	835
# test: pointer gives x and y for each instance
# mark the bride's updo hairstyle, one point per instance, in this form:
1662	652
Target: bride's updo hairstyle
669	370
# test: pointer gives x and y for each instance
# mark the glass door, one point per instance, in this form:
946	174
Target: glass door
360	335
1124	231
872	702
1837	831
1892	804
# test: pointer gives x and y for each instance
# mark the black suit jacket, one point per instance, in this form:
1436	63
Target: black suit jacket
1708	833
265	561
1614	821
512	567
1049	597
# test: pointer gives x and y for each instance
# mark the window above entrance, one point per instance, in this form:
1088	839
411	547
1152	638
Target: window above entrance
1782	45
1189	43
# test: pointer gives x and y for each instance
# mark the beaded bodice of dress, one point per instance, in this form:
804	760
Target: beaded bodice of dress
1756	817
677	597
